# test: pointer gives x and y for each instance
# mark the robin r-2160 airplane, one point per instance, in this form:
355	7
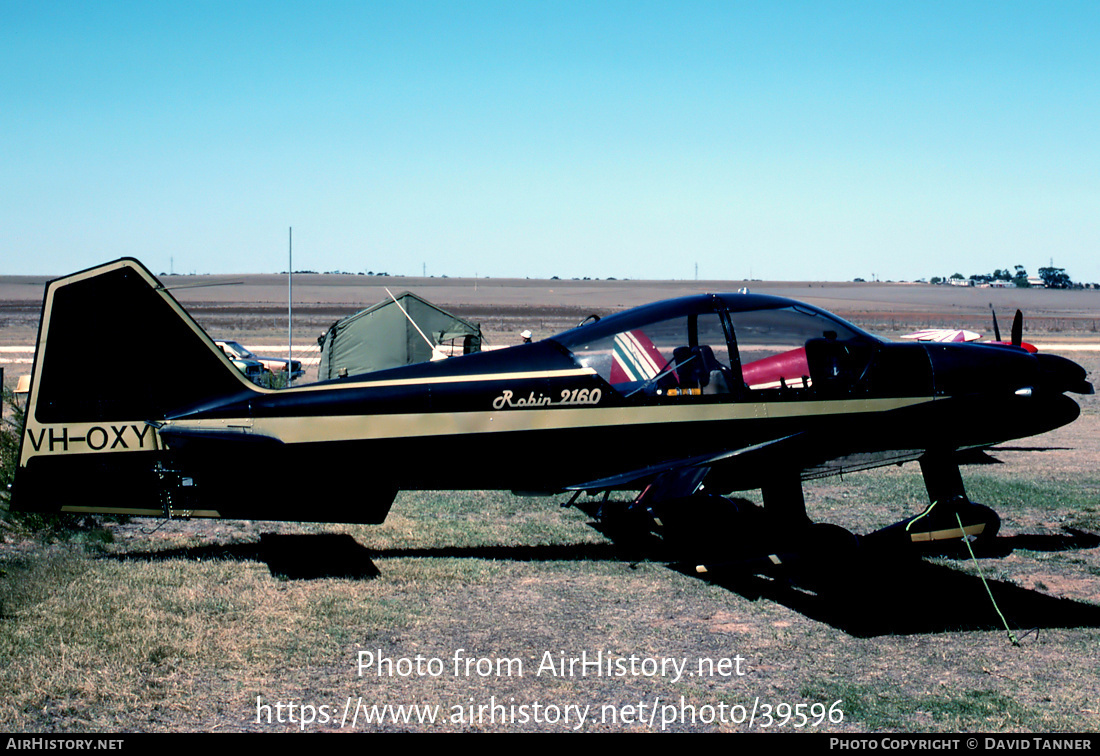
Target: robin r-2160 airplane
682	400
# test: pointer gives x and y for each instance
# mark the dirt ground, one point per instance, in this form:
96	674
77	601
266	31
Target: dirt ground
480	579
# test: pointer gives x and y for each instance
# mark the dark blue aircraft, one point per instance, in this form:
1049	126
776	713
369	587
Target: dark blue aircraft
683	401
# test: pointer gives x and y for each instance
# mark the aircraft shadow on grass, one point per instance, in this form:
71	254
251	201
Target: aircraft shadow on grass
864	594
295	557
984	457
873	593
338	555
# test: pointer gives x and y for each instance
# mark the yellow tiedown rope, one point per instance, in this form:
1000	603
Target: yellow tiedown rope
1011	636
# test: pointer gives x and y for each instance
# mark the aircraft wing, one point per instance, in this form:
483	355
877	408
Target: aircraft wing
943	334
688	472
748	467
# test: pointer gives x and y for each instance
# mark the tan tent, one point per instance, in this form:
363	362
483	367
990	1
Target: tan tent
382	337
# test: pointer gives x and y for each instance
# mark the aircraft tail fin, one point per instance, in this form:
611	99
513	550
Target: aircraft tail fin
116	354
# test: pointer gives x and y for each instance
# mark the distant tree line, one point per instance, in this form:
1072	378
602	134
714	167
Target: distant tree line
1051	277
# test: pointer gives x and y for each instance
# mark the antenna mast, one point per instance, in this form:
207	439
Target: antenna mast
289	304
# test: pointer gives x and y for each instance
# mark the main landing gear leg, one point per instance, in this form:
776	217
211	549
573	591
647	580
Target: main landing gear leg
783	537
941	477
784	503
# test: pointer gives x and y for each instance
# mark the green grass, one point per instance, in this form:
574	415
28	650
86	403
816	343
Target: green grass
471	519
110	639
892	495
884	710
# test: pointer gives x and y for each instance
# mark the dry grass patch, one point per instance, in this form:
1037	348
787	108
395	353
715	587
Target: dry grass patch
141	642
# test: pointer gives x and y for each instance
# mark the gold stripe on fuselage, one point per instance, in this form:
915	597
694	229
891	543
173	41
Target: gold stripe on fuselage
334	428
525	375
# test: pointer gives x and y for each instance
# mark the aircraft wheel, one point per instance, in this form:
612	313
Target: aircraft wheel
622	524
936	529
827	540
989	518
707	526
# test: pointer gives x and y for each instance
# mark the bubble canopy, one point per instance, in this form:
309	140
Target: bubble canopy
714	344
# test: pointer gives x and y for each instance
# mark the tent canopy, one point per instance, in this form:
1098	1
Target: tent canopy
382	337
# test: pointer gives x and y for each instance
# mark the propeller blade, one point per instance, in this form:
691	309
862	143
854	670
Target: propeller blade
1018	329
996	330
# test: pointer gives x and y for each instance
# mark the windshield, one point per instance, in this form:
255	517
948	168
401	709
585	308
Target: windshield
239	350
772	344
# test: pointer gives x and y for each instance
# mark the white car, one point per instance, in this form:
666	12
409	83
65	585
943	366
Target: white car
235	351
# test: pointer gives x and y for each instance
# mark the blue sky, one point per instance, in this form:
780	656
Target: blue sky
780	140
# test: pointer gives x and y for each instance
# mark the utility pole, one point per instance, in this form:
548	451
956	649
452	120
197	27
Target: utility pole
289	303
